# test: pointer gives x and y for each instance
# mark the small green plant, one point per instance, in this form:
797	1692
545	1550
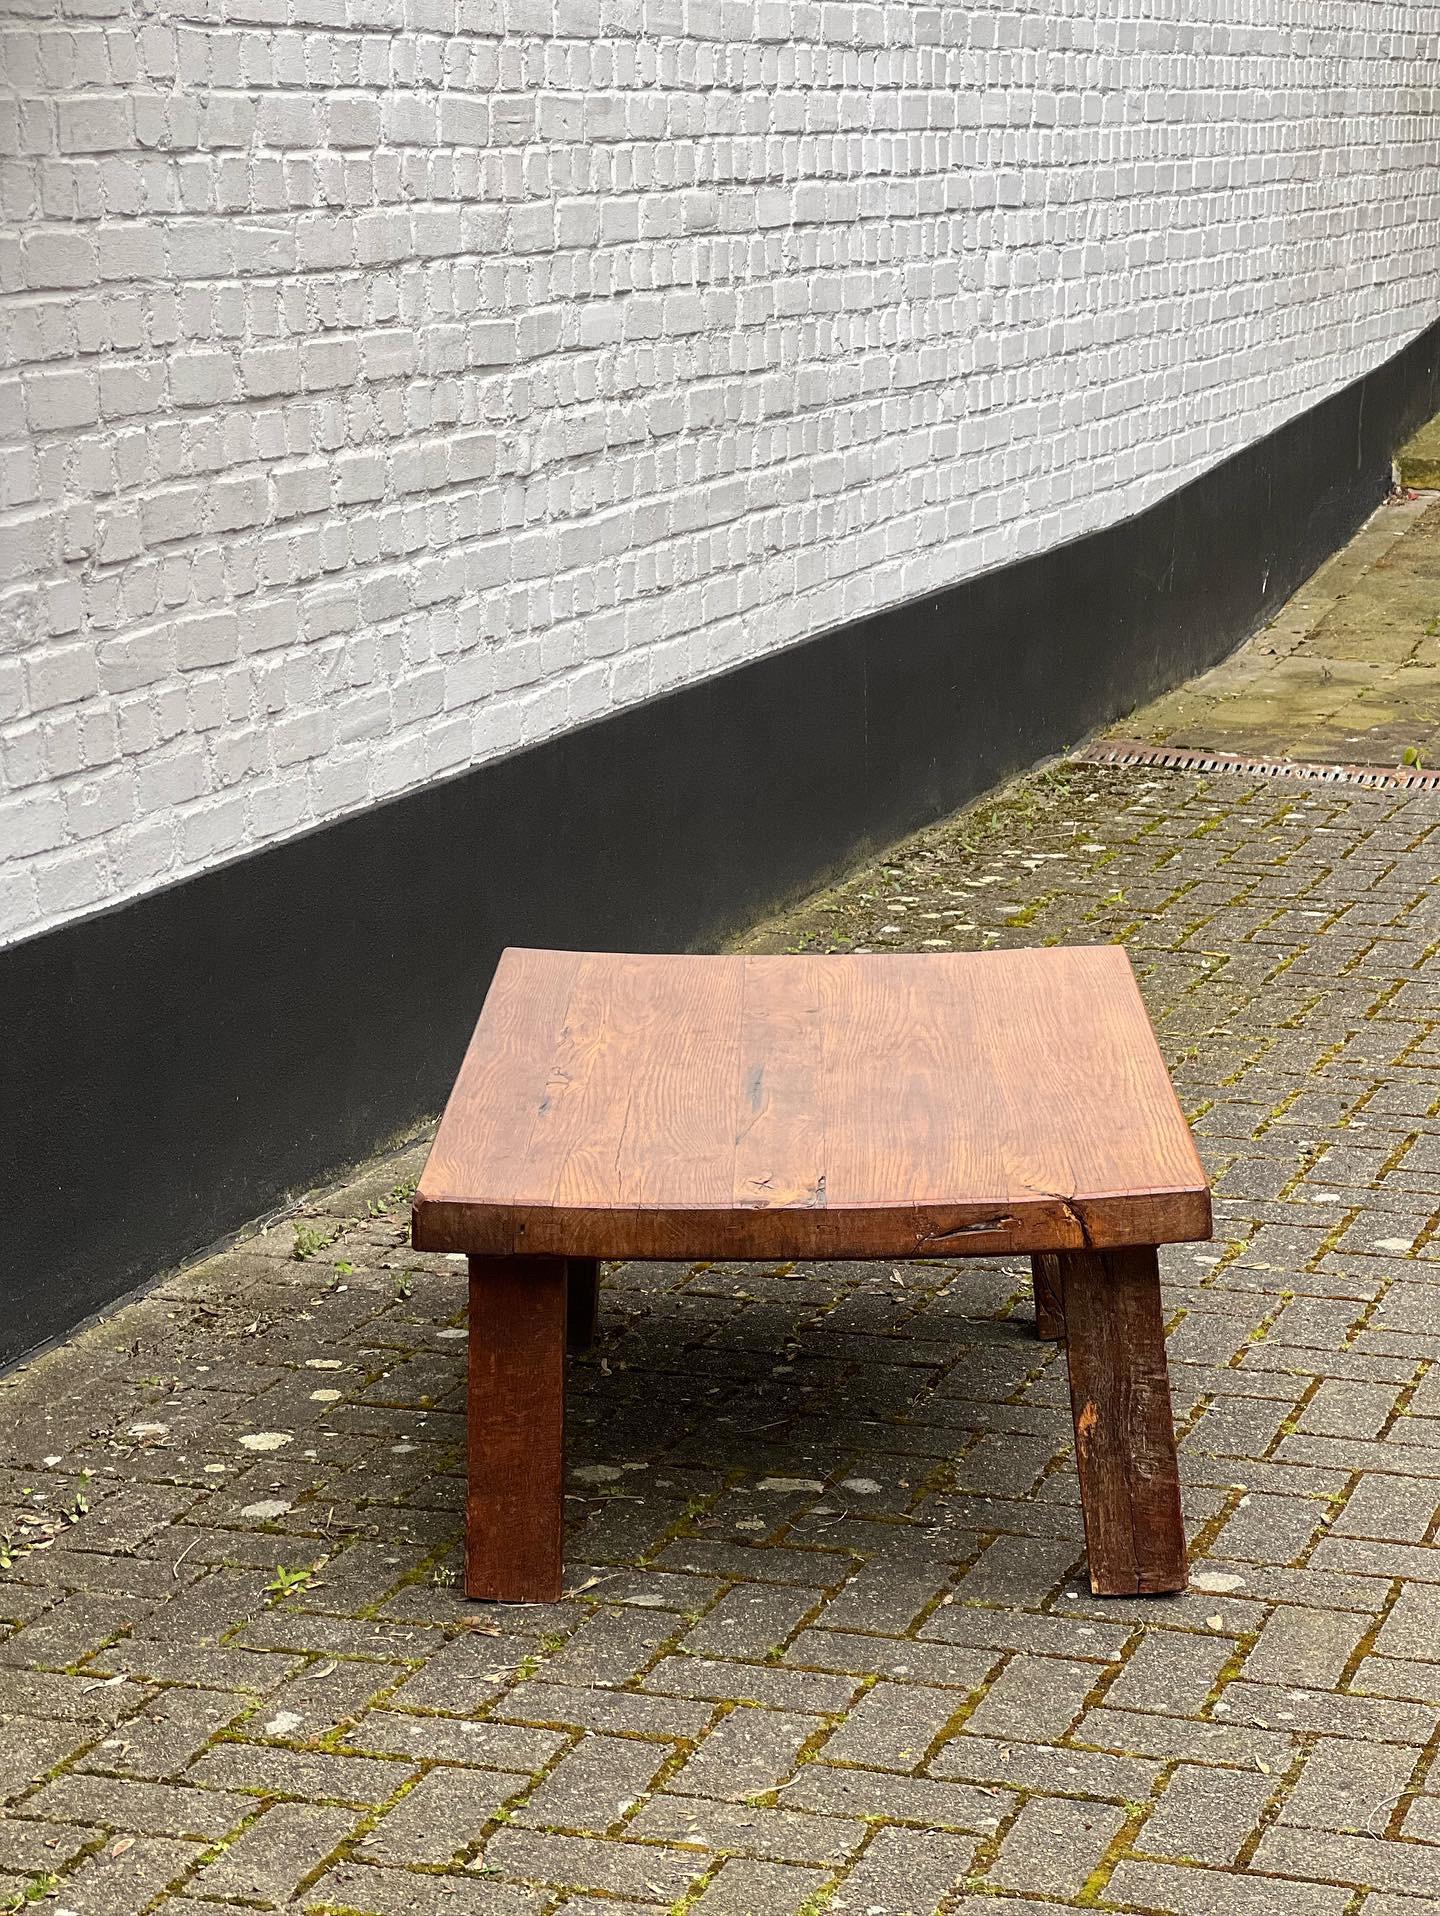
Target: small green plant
286	1582
32	1892
816	1902
1411	757
309	1241
404	1284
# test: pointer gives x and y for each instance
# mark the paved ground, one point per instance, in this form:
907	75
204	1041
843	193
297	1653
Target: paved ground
1349	672
826	1645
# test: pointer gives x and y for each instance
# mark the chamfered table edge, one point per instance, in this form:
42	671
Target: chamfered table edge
1106	1221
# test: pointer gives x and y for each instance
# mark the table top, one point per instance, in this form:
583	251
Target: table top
888	1105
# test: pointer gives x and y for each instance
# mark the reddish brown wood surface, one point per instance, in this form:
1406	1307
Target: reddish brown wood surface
850	1106
1047	1278
582	1309
1124	1431
517	1429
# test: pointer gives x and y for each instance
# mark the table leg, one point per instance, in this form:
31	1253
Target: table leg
1124	1428
517	1428
582	1315
1048	1279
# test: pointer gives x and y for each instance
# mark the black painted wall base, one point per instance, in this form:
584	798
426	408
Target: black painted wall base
177	1064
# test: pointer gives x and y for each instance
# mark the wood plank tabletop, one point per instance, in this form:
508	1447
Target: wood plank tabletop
887	1105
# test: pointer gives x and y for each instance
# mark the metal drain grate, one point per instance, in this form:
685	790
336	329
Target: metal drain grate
1125	751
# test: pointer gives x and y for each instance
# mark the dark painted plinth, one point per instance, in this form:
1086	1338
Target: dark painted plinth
176	1065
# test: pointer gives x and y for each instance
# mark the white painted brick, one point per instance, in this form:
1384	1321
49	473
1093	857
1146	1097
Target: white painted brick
213	830
128	391
395	382
207	639
71	881
32	822
146	657
58	675
58	259
330	362
170	778
100	805
144	852
56	398
19	906
202	379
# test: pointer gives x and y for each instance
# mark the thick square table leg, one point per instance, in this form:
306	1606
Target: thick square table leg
1124	1428
1048	1279
582	1317
517	1428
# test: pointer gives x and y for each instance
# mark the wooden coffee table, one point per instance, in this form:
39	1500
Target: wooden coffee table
885	1106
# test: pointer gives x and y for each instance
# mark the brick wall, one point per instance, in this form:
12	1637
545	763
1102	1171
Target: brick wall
390	383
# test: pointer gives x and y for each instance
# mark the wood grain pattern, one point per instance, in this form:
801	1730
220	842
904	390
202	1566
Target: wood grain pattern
888	1105
582	1307
1048	1279
516	1429
1124	1431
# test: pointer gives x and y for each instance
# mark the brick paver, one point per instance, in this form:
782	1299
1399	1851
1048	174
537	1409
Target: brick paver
826	1642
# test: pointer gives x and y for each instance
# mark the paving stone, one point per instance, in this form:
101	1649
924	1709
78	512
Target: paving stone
593	1784
905	1657
1392	1676
1205	1815
1412	1626
774	1685
1033	1698
43	1849
623	1712
1309	1647
743	1887
749	1623
606	1906
1351	1786
1054	1846
1331	1712
1169	1672
390	1892
1180	1891
750	1751
1041	1766
491	1745
1197	1741
929	1802
781	1835
121	1882
268	1863
1398	1509
584	1862
1370	1862
904	1872
442	1818
892	1727
164	1738
30	1748
154	1809
74	1700
1383	1905
268	1769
